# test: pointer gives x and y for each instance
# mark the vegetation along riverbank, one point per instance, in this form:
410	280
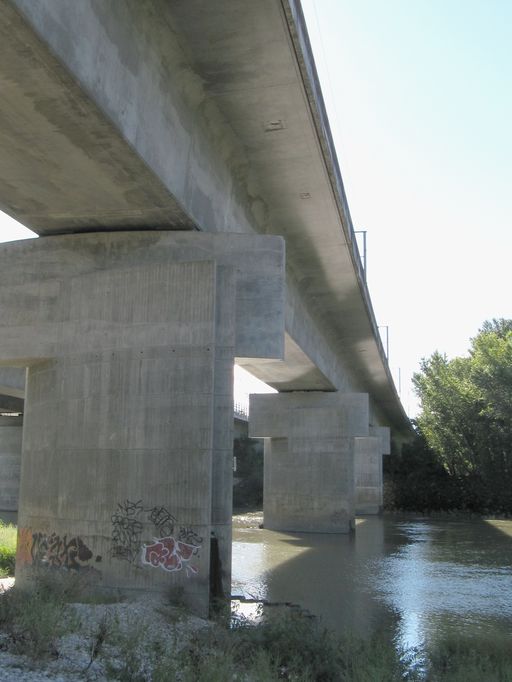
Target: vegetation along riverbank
461	458
7	549
67	633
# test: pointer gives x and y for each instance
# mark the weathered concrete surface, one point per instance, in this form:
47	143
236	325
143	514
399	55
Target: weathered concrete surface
309	458
12	389
12	381
10	462
152	113
384	434
130	340
368	475
64	167
369	490
269	412
32	301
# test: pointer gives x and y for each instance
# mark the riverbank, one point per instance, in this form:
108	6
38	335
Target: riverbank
43	638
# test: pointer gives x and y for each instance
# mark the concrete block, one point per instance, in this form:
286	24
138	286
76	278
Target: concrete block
10	462
112	262
130	340
268	412
384	433
368	475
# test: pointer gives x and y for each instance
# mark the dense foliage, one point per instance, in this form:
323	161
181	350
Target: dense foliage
248	477
464	448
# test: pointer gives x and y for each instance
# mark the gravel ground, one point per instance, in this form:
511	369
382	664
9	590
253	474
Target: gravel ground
142	627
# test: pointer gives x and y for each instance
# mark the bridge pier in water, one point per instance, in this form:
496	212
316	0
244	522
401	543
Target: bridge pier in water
368	470
130	341
310	448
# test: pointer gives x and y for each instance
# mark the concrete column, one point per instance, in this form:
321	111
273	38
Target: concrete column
309	458
130	341
10	461
368	469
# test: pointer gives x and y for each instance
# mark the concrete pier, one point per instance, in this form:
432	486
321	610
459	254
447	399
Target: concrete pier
368	470
127	447
10	462
310	440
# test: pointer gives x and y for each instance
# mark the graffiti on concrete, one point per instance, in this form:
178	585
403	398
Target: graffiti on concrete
163	520
171	547
189	536
170	555
126	530
59	552
54	551
24	546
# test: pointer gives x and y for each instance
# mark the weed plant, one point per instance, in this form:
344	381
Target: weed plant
34	619
7	549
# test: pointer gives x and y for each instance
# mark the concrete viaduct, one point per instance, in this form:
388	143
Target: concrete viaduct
176	160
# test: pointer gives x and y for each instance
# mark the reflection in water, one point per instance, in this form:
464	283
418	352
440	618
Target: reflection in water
416	579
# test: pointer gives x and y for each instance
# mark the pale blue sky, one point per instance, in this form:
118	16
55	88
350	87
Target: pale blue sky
419	95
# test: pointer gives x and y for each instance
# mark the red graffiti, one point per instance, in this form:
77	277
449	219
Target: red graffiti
169	554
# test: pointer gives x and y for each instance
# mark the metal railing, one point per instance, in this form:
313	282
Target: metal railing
241	410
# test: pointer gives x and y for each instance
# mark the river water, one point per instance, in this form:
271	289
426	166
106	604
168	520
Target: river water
416	579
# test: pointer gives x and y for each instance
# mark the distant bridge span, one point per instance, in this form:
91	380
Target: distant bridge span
177	163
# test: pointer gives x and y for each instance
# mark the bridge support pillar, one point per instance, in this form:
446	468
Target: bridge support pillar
130	341
368	470
10	461
309	458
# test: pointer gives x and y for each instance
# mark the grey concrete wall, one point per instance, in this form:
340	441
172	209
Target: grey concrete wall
122	437
369	482
10	461
368	475
384	434
157	102
127	451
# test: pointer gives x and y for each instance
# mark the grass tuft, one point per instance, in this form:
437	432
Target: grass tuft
472	659
34	619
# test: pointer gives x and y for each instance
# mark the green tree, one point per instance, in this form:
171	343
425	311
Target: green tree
466	415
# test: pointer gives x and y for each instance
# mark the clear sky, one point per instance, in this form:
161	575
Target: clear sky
419	96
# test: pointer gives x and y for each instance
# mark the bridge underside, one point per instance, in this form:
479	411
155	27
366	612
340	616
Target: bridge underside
158	149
